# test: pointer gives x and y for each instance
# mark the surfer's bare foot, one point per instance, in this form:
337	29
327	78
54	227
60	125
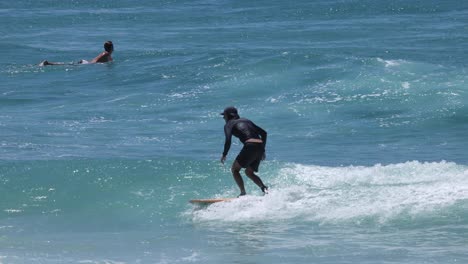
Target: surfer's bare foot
241	194
265	190
44	63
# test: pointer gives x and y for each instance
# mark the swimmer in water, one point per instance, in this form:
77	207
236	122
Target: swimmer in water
105	56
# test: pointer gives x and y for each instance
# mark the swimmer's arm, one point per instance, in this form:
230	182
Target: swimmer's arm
101	57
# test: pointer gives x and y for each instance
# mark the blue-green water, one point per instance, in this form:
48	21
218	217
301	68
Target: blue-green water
364	103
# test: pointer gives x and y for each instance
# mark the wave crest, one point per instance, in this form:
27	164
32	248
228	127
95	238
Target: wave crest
404	192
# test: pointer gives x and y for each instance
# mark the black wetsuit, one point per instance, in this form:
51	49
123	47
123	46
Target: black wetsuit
244	129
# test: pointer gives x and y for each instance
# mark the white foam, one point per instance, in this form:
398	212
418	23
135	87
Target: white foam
405	85
390	63
333	194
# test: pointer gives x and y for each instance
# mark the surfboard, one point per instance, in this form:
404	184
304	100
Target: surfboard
48	63
210	201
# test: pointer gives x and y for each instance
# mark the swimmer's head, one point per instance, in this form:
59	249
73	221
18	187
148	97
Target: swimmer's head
108	46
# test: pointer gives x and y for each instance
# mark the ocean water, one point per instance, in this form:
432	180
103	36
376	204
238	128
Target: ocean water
364	102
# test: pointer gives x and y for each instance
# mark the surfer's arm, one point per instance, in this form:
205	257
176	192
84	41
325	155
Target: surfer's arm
263	136
103	57
226	149
262	133
227	141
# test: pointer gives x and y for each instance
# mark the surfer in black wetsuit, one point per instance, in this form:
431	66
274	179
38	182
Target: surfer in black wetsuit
254	140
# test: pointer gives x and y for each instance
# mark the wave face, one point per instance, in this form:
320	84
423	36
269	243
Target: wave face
405	193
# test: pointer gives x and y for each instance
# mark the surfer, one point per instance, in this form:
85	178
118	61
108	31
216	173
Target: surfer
254	140
105	56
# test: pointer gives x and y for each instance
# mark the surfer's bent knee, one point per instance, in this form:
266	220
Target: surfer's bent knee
236	167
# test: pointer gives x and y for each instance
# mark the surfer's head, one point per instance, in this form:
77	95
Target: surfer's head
230	113
108	46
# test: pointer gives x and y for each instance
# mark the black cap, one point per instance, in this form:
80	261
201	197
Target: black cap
230	111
